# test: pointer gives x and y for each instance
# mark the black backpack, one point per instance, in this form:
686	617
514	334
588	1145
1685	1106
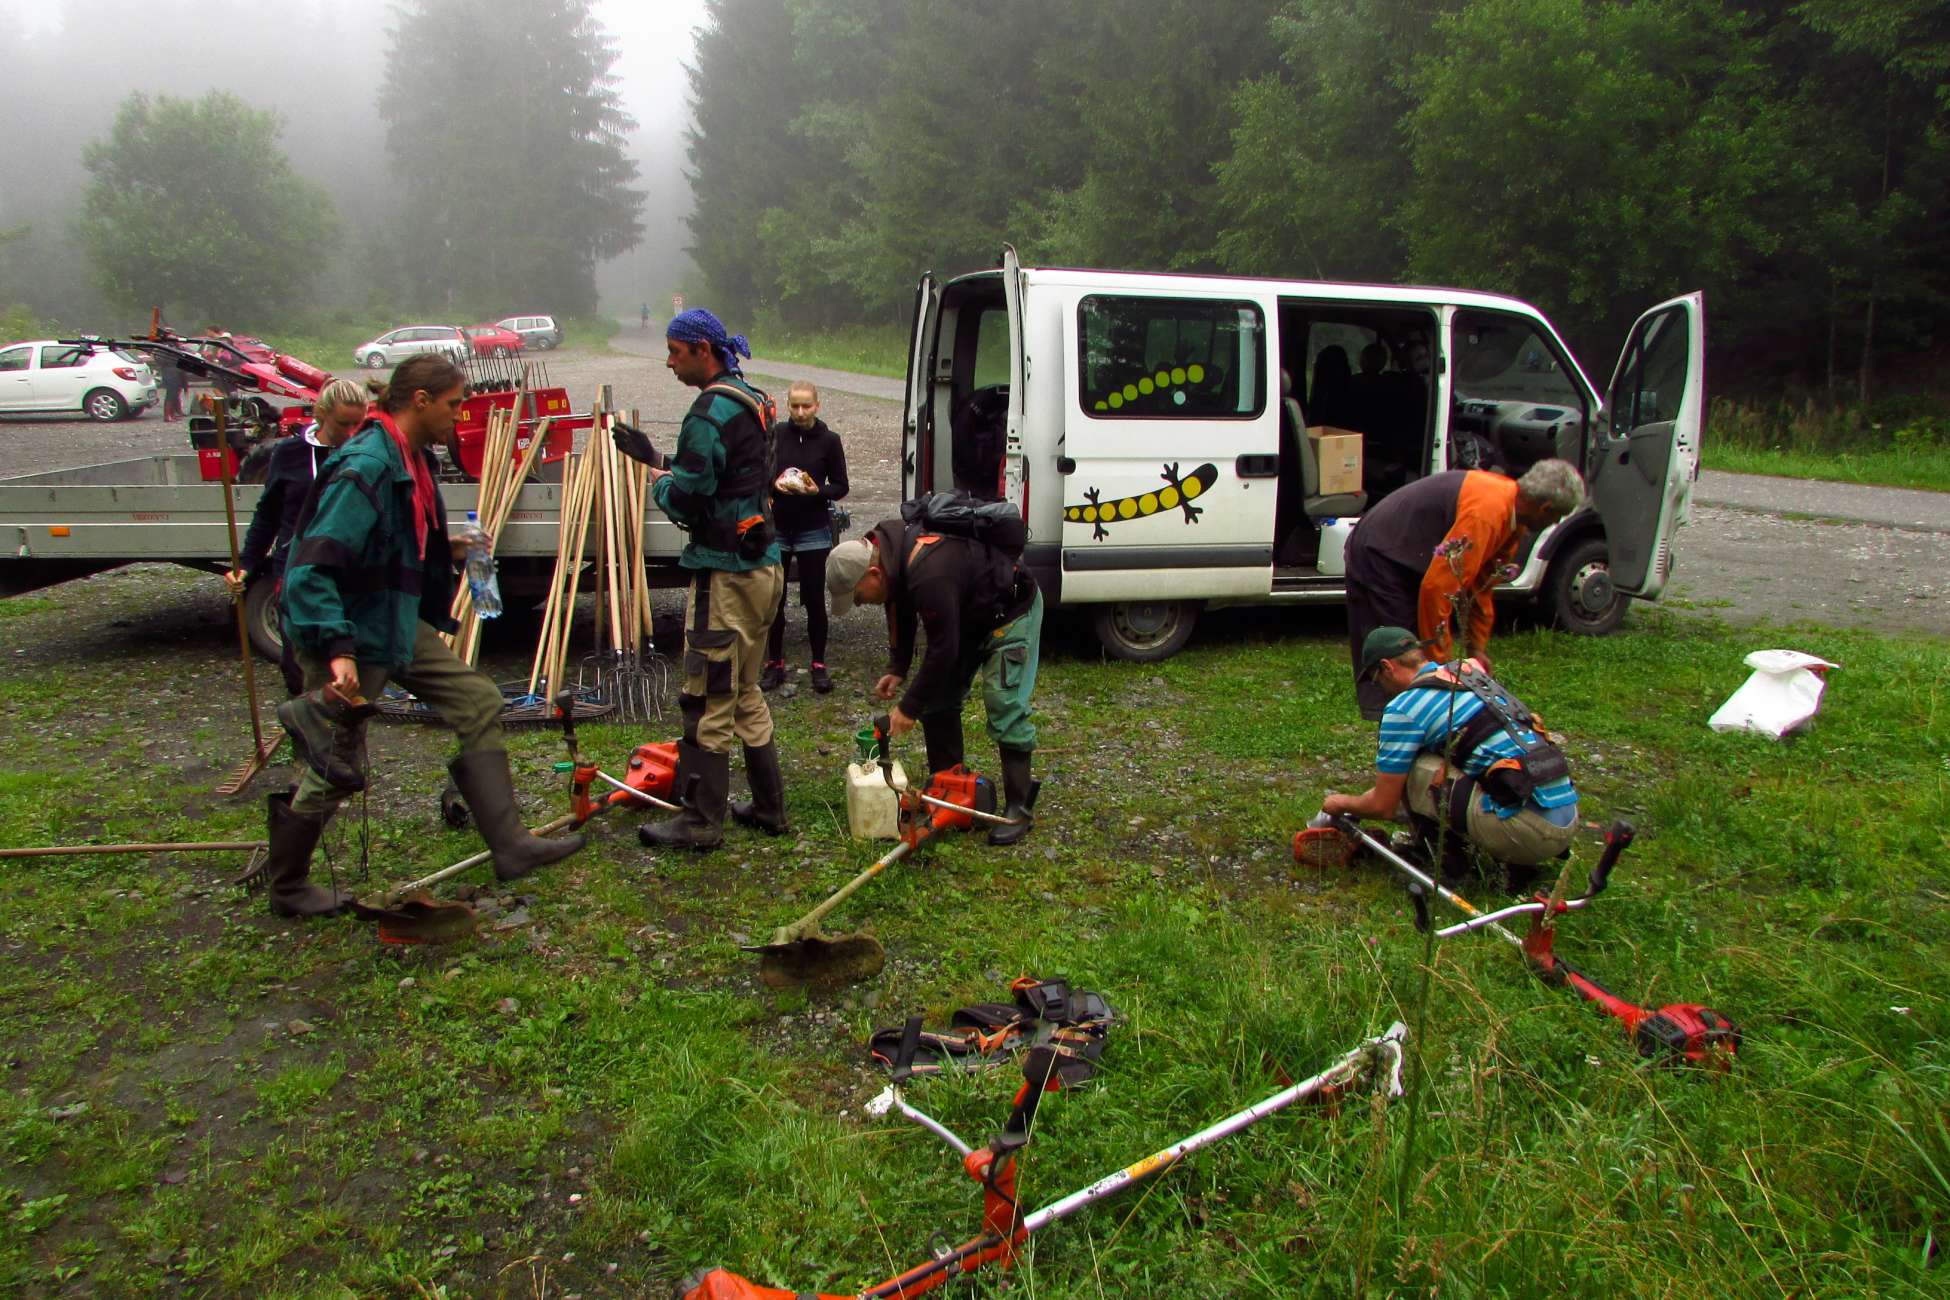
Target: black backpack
957	514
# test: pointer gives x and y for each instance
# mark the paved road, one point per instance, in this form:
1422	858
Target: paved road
1796	498
650	343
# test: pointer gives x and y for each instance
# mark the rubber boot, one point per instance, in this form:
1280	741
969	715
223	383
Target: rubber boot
1019	796
489	788
293	836
1454	867
326	735
942	731
765	810
705	780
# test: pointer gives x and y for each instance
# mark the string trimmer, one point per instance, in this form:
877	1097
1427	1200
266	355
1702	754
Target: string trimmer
1377	1062
955	799
1682	1032
411	914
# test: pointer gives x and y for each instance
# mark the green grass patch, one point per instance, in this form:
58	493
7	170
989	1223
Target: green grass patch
598	1078
1922	467
1901	442
860	349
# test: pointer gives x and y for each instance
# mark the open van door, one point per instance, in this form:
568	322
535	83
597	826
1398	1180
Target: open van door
917	441
1647	450
1015	468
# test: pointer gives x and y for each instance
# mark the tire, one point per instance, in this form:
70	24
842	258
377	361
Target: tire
105	404
261	619
1578	591
500	350
1145	631
374	360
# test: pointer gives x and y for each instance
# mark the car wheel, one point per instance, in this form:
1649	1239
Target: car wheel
261	619
1578	590
374	360
500	350
1145	631
105	404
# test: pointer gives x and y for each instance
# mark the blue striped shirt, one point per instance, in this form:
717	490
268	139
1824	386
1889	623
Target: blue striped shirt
1419	720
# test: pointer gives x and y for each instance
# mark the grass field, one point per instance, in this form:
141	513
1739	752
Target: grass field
1926	467
204	1101
864	350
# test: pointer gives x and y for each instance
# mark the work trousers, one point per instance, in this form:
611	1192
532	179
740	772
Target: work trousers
812	595
724	649
1380	593
1006	659
466	700
1523	840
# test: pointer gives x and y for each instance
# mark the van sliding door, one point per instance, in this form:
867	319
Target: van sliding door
1171	451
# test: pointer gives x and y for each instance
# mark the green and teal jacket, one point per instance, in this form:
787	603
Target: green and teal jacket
720	478
354	584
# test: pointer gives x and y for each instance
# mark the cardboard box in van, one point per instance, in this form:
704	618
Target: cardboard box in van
1338	454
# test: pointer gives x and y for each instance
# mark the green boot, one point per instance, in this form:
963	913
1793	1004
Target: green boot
293	837
704	780
765	810
488	785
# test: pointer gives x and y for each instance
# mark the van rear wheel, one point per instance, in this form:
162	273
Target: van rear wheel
1145	631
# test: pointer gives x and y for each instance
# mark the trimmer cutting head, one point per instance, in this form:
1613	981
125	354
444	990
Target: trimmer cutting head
419	918
819	961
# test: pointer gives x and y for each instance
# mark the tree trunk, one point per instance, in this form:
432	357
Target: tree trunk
1866	373
1834	333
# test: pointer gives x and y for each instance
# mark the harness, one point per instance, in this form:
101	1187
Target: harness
748	461
1508	781
1061	1028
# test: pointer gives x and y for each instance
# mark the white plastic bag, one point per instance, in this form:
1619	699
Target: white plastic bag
1781	696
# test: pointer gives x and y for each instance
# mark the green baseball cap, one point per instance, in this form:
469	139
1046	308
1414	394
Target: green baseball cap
1385	643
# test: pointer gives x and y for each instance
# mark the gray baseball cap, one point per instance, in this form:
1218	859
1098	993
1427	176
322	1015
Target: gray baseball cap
846	564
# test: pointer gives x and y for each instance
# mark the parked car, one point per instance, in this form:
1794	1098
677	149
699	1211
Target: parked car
395	346
494	341
100	382
542	331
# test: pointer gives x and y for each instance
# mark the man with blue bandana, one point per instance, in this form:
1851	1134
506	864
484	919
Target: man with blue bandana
716	487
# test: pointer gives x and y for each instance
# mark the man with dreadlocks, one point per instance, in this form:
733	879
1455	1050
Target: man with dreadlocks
718	488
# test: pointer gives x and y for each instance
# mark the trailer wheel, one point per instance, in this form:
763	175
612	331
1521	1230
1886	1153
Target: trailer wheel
261	619
1145	631
1578	589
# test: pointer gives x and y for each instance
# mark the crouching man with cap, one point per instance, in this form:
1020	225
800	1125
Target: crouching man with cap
1466	755
982	613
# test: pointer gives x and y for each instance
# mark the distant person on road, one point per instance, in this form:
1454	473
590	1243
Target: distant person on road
718	488
809	474
290	469
643	317
1396	578
367	593
170	376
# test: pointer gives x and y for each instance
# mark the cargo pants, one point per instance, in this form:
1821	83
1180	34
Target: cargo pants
1525	840
466	700
1006	659
729	616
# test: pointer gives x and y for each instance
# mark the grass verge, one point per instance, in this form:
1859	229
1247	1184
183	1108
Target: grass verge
595	1095
1922	467
861	349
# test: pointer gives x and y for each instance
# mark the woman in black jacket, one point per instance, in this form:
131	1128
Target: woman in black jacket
802	513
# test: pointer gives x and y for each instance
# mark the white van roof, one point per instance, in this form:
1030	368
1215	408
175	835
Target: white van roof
1169	281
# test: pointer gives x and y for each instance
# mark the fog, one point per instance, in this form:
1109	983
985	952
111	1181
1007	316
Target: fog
66	65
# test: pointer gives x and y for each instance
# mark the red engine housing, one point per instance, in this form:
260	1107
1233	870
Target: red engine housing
470	428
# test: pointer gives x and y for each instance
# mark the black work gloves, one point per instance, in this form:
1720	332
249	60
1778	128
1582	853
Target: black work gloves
635	443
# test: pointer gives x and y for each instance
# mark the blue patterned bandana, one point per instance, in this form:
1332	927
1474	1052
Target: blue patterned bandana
699	326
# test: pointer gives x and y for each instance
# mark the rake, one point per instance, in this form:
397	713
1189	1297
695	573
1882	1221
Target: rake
261	749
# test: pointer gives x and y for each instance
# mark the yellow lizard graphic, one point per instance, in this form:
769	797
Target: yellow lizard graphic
1177	493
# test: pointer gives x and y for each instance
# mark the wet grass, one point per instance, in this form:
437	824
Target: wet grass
204	1101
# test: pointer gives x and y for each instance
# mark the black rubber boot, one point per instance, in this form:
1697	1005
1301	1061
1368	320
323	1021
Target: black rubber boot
705	781
942	731
1454	867
326	735
1019	797
765	810
293	836
489	788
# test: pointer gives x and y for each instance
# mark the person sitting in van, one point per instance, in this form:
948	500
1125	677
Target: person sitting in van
1466	757
1436	548
982	613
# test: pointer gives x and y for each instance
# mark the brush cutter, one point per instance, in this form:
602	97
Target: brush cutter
411	914
1377	1063
1681	1033
956	799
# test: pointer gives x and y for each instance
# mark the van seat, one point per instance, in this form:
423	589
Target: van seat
1293	430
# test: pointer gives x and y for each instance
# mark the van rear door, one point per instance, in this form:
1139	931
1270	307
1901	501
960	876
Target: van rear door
1647	451
916	418
1171	447
1015	469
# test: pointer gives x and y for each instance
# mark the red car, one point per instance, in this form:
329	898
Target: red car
493	341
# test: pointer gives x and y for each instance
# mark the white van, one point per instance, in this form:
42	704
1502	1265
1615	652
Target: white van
1152	428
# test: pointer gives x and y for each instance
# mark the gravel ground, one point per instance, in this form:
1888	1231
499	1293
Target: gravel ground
1828	553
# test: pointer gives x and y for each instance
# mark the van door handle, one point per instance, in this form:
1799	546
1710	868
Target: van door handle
1257	464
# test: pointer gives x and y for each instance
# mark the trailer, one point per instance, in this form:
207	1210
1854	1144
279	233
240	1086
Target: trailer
69	523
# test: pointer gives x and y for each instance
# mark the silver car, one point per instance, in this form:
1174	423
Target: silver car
395	346
535	331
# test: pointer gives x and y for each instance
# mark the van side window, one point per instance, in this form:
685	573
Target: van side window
1171	358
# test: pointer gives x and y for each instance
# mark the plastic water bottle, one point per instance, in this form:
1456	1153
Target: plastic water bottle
480	574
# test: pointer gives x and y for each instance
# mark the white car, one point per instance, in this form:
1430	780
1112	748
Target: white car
100	382
395	346
537	331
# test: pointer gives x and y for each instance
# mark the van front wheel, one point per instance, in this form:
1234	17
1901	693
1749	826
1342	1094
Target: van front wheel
1578	589
1145	631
